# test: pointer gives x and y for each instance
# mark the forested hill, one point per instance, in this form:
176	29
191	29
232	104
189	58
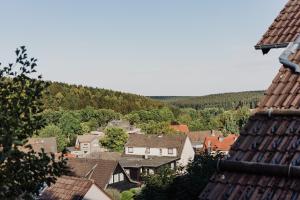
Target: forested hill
74	97
223	100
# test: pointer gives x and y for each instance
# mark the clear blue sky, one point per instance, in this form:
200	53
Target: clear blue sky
152	47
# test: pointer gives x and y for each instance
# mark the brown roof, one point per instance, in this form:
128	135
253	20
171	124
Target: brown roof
284	29
157	141
98	170
140	161
48	144
104	155
67	188
199	136
87	137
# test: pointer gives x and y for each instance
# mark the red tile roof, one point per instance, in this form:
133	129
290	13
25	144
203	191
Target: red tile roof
67	188
182	128
284	29
219	143
271	138
284	92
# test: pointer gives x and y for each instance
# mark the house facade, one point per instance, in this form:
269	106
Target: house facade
86	144
147	153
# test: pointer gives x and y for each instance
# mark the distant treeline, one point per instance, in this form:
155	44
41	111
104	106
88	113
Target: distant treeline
224	100
75	97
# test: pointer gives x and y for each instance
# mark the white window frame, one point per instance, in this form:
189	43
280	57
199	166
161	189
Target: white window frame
170	151
130	149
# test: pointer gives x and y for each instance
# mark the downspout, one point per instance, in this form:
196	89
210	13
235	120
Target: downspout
291	49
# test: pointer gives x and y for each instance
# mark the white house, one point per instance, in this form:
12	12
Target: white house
68	187
86	144
146	153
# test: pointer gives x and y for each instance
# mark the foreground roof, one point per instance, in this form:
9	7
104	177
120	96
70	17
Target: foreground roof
67	188
284	29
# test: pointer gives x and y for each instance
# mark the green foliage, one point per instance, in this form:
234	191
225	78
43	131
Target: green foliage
169	184
52	130
226	101
76	97
156	185
22	173
70	125
127	195
114	139
153	127
198	173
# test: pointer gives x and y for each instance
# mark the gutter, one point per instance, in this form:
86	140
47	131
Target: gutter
259	168
291	49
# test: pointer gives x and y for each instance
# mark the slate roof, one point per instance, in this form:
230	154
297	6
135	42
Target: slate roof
157	141
139	161
103	169
284	29
67	188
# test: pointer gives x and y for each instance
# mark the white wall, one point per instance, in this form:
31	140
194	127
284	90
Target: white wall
153	151
187	153
94	193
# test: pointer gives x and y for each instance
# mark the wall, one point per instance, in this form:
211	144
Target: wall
95	193
153	151
187	153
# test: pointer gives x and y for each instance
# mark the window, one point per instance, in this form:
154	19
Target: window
130	149
121	177
160	151
116	178
147	150
170	151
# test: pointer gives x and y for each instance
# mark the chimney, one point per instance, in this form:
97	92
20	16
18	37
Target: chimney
212	133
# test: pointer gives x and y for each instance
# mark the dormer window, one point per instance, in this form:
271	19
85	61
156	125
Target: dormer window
130	149
170	151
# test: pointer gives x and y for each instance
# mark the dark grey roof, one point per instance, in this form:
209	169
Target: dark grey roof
139	161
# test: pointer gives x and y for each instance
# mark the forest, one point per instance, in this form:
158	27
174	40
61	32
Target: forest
74	97
222	100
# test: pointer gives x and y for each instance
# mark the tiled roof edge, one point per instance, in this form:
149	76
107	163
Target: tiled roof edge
278	112
271	46
259	168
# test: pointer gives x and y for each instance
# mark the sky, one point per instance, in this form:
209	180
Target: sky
152	48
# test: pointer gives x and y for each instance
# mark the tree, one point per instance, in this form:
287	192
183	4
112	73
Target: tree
114	139
23	173
195	178
70	125
156	185
52	130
